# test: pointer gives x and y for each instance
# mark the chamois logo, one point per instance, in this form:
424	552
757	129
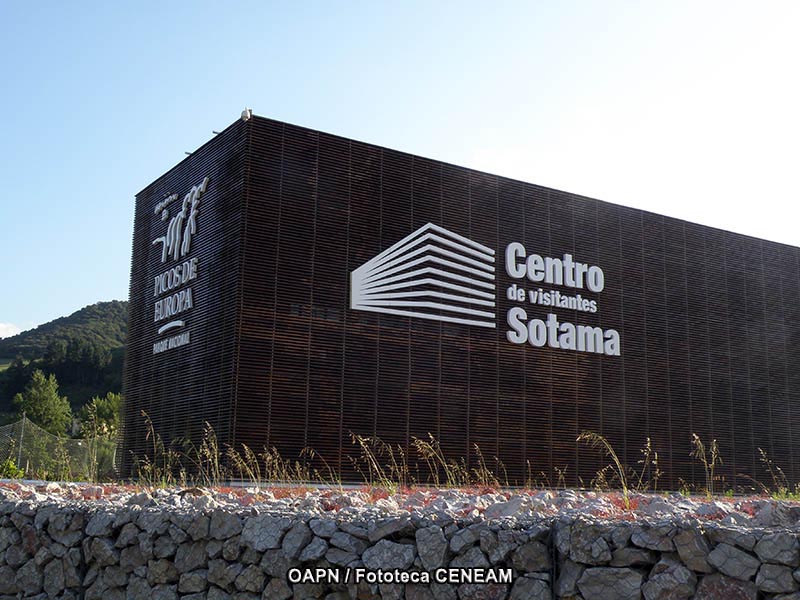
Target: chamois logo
431	274
177	242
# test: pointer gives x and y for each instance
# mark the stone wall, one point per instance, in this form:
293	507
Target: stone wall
74	550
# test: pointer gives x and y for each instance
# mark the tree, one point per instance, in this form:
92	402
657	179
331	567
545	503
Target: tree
101	416
41	404
14	380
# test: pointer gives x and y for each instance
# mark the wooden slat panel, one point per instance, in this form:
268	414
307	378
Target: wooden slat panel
707	318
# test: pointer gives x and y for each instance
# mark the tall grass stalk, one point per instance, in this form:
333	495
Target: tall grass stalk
595	440
709	459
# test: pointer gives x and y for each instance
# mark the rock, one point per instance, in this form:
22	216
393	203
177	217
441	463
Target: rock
772	514
71	576
29	578
190	556
339	557
264	532
165	592
354	530
161	571
231	548
610	582
471	559
250	579
568	575
141	499
277	589
389	555
154	522
718	587
497	546
222	574
8	536
250	557
276	564
53	578
131	557
391	591
500	510
491	591
620	535
386	527
8	584
16	557
315	550
734	536
127	535
137	589
440	591
97	590
100	524
693	549
656	537
432	547
658	507
323	528
296	539
30	541
124	515
530	557
224	525
198	530
713	509
214	548
733	562
177	534
103	552
115	577
669	580
196	581
307	590
464	539
776	579
348	542
630	556
164	547
587	545
561	537
528	588
42	556
423	592
780	548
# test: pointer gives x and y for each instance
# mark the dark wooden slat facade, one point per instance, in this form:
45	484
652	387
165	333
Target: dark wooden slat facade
709	320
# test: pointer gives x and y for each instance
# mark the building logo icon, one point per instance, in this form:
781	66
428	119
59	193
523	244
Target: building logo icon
431	274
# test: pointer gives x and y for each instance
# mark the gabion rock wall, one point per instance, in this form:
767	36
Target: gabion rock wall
164	553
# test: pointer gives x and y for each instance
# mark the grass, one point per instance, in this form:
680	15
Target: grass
710	459
384	468
391	468
5	363
595	440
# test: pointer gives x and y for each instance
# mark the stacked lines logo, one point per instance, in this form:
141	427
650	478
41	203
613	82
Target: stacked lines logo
431	274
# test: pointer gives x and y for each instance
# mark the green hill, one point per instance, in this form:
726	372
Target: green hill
104	324
85	352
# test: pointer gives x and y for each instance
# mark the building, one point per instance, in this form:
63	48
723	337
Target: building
290	287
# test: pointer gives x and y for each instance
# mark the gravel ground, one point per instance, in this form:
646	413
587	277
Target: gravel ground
466	504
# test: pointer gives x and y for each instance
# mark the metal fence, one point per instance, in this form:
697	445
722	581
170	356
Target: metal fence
42	455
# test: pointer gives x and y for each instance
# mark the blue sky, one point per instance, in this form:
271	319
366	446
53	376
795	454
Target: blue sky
684	108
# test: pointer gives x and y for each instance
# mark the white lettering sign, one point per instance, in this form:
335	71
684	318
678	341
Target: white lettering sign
551	332
171	288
